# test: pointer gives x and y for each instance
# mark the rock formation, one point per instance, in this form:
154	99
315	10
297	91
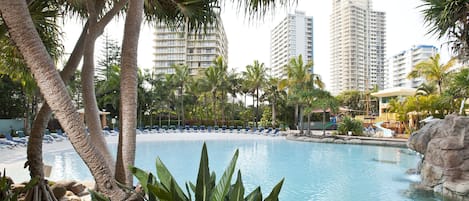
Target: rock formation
445	165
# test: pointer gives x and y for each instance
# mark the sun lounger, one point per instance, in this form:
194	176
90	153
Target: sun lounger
276	132
19	141
223	128
261	129
267	132
247	129
202	128
216	128
209	129
239	129
231	129
195	128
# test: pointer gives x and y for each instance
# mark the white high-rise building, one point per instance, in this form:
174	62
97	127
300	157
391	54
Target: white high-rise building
358	43
400	65
196	50
290	38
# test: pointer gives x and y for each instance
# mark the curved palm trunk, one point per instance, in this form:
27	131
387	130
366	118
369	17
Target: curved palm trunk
34	149
22	31
223	119
129	91
89	97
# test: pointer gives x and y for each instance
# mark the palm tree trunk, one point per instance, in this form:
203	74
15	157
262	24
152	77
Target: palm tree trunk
223	119
89	97
129	90
34	149
22	31
214	97
182	107
257	105
309	124
324	121
274	113
301	121
296	115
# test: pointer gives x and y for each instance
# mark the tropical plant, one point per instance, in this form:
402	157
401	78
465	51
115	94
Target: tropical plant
255	78
274	94
348	124
433	71
326	102
165	188
449	19
299	79
459	87
6	193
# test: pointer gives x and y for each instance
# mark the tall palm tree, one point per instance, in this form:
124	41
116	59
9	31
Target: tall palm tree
213	82
234	87
255	77
299	74
433	71
449	19
182	80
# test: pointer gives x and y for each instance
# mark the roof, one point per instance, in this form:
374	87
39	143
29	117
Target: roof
397	91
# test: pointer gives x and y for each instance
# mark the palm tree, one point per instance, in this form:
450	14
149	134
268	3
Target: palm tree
325	101
433	71
234	87
129	95
273	93
298	75
450	19
182	80
459	86
223	84
255	77
21	29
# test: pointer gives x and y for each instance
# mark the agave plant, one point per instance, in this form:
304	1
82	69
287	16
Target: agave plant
165	188
6	194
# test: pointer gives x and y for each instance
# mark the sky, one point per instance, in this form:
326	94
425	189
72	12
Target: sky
250	40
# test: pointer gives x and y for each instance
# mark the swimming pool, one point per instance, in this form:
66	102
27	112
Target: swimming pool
312	171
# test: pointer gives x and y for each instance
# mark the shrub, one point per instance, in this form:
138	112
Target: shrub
349	124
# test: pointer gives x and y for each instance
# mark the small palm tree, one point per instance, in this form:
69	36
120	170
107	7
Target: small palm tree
433	71
273	93
459	86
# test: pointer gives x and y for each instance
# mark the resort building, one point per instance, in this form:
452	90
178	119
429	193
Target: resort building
400	65
197	50
290	38
358	44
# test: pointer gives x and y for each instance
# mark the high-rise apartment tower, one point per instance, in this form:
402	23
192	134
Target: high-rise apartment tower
358	43
291	37
194	49
400	65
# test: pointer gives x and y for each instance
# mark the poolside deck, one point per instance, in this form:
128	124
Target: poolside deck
341	139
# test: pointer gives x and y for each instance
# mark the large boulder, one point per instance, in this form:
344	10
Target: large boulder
445	146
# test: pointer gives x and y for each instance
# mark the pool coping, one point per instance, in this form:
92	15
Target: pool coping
357	140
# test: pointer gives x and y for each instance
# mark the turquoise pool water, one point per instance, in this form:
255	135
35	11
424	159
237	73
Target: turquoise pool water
312	171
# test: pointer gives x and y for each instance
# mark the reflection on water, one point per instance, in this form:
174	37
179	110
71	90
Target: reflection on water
312	171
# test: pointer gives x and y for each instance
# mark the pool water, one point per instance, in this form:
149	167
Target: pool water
312	171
